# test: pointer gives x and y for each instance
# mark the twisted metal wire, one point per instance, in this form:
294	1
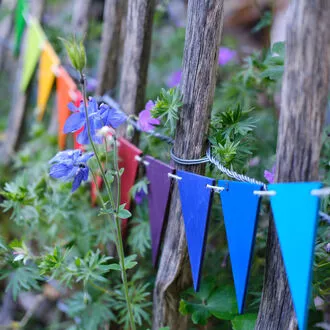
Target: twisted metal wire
230	173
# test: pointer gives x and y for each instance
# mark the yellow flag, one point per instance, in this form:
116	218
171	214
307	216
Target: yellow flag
34	43
47	67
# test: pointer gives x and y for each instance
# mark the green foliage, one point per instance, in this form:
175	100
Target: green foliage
210	301
21	278
244	322
167	107
265	21
274	62
231	136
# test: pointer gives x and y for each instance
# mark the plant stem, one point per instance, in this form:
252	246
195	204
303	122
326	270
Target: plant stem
115	208
120	237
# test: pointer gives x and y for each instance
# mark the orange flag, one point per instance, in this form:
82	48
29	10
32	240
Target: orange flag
66	93
49	62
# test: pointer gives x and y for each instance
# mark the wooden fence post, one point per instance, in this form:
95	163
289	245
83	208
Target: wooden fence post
16	115
203	33
80	17
304	100
6	27
136	55
114	11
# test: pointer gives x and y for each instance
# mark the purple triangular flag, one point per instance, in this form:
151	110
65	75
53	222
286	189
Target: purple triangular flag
158	194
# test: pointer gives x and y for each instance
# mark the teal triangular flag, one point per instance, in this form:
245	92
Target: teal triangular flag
241	224
295	212
195	202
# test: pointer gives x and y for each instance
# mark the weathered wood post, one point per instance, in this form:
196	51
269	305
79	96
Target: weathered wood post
136	55
6	27
80	17
204	27
114	11
16	115
304	100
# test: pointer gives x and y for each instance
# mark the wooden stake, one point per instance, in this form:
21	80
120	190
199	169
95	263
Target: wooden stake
136	55
304	101
114	11
205	20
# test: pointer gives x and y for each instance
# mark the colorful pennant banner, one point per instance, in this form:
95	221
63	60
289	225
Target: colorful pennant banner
127	153
34	44
195	211
158	195
66	93
295	212
21	9
49	63
241	225
291	202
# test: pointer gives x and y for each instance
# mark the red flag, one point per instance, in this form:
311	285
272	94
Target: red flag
127	153
66	92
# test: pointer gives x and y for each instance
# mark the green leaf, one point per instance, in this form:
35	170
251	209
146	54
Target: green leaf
244	322
219	302
124	214
115	267
130	261
222	303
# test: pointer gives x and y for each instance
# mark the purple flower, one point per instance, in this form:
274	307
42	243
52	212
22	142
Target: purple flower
270	175
98	117
91	85
139	196
146	122
226	55
70	165
174	79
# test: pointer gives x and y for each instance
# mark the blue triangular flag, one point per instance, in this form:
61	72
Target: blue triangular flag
295	212
241	225
195	202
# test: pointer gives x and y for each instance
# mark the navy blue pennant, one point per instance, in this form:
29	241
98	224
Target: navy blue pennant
195	201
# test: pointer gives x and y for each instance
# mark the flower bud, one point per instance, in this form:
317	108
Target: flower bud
76	53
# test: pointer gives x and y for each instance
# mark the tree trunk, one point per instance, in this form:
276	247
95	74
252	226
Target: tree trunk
205	20
136	55
304	100
80	17
19	100
114	11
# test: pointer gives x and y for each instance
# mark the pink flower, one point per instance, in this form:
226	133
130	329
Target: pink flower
270	175
226	55
174	79
146	122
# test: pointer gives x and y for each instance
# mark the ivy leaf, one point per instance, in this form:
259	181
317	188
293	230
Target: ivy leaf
244	322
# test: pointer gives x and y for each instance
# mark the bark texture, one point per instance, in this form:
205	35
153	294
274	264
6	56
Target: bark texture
205	20
136	55
80	17
19	99
6	27
304	100
114	11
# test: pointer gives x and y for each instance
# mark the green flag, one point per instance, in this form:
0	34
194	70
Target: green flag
21	9
34	43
